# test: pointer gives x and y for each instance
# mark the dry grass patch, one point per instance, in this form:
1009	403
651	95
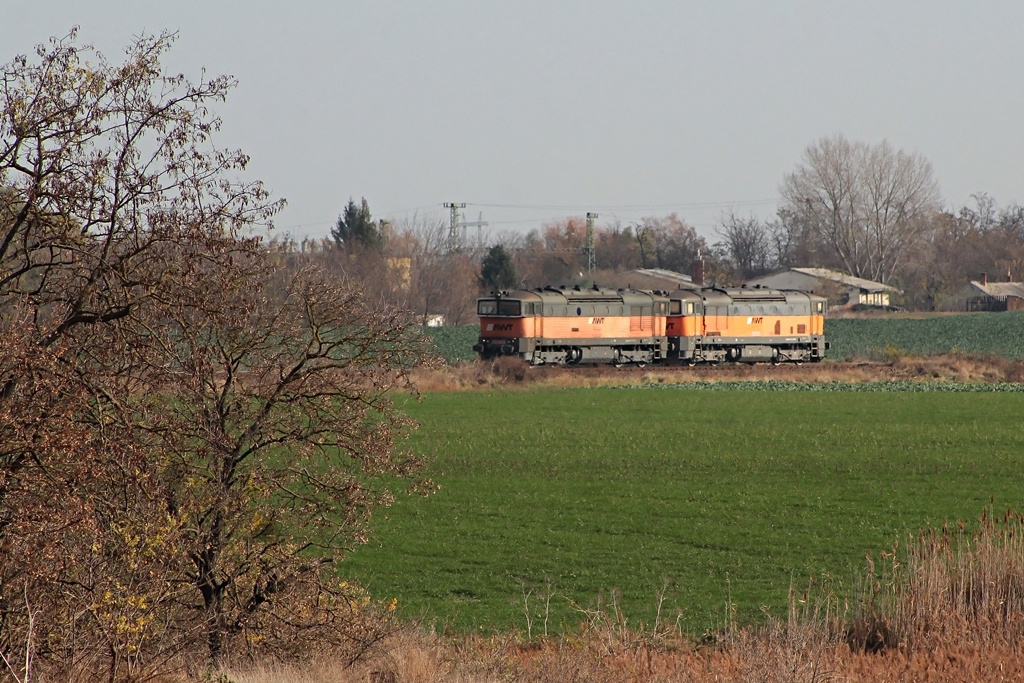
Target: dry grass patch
411	656
778	653
947	586
513	374
948	607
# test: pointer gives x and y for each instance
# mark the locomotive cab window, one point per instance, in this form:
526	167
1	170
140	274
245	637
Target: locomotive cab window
675	307
498	307
506	307
689	308
820	307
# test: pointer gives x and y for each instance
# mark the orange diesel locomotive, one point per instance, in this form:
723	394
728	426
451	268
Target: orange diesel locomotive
576	325
746	325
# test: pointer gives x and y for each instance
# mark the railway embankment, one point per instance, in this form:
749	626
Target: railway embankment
512	373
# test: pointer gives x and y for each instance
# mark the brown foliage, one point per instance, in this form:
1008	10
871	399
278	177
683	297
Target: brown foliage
111	197
191	430
958	248
276	423
669	243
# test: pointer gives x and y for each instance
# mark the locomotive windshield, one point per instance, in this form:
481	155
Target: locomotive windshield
506	307
498	307
676	308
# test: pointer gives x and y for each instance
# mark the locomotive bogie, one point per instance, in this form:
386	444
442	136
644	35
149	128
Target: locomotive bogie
613	351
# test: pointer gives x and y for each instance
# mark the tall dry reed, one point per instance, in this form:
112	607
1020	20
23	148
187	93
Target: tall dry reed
949	585
946	606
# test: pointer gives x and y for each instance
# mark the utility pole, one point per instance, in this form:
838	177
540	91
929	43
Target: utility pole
590	242
453	230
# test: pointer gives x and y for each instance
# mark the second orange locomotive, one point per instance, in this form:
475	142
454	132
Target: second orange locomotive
568	326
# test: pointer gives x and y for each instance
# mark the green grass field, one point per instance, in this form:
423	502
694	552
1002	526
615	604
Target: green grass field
580	492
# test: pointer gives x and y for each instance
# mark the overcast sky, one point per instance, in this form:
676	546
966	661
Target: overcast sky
530	111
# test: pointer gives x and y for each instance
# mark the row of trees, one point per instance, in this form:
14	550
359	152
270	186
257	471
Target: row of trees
192	431
412	264
869	210
875	212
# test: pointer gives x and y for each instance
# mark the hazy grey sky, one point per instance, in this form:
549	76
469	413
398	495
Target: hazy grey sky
534	110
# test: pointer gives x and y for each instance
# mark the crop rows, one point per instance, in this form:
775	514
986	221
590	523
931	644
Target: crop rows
998	334
454	344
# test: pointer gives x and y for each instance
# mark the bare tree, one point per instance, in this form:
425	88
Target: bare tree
747	243
793	241
867	205
421	246
109	173
959	247
668	242
276	424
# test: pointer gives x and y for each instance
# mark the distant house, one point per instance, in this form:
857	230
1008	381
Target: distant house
434	320
982	295
840	288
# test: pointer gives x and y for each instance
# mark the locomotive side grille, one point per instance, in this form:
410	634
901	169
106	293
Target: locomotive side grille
640	319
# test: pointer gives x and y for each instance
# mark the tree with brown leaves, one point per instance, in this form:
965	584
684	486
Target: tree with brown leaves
190	432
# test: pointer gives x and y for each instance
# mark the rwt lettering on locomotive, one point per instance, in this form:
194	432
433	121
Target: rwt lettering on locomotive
499	327
597	321
755	320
